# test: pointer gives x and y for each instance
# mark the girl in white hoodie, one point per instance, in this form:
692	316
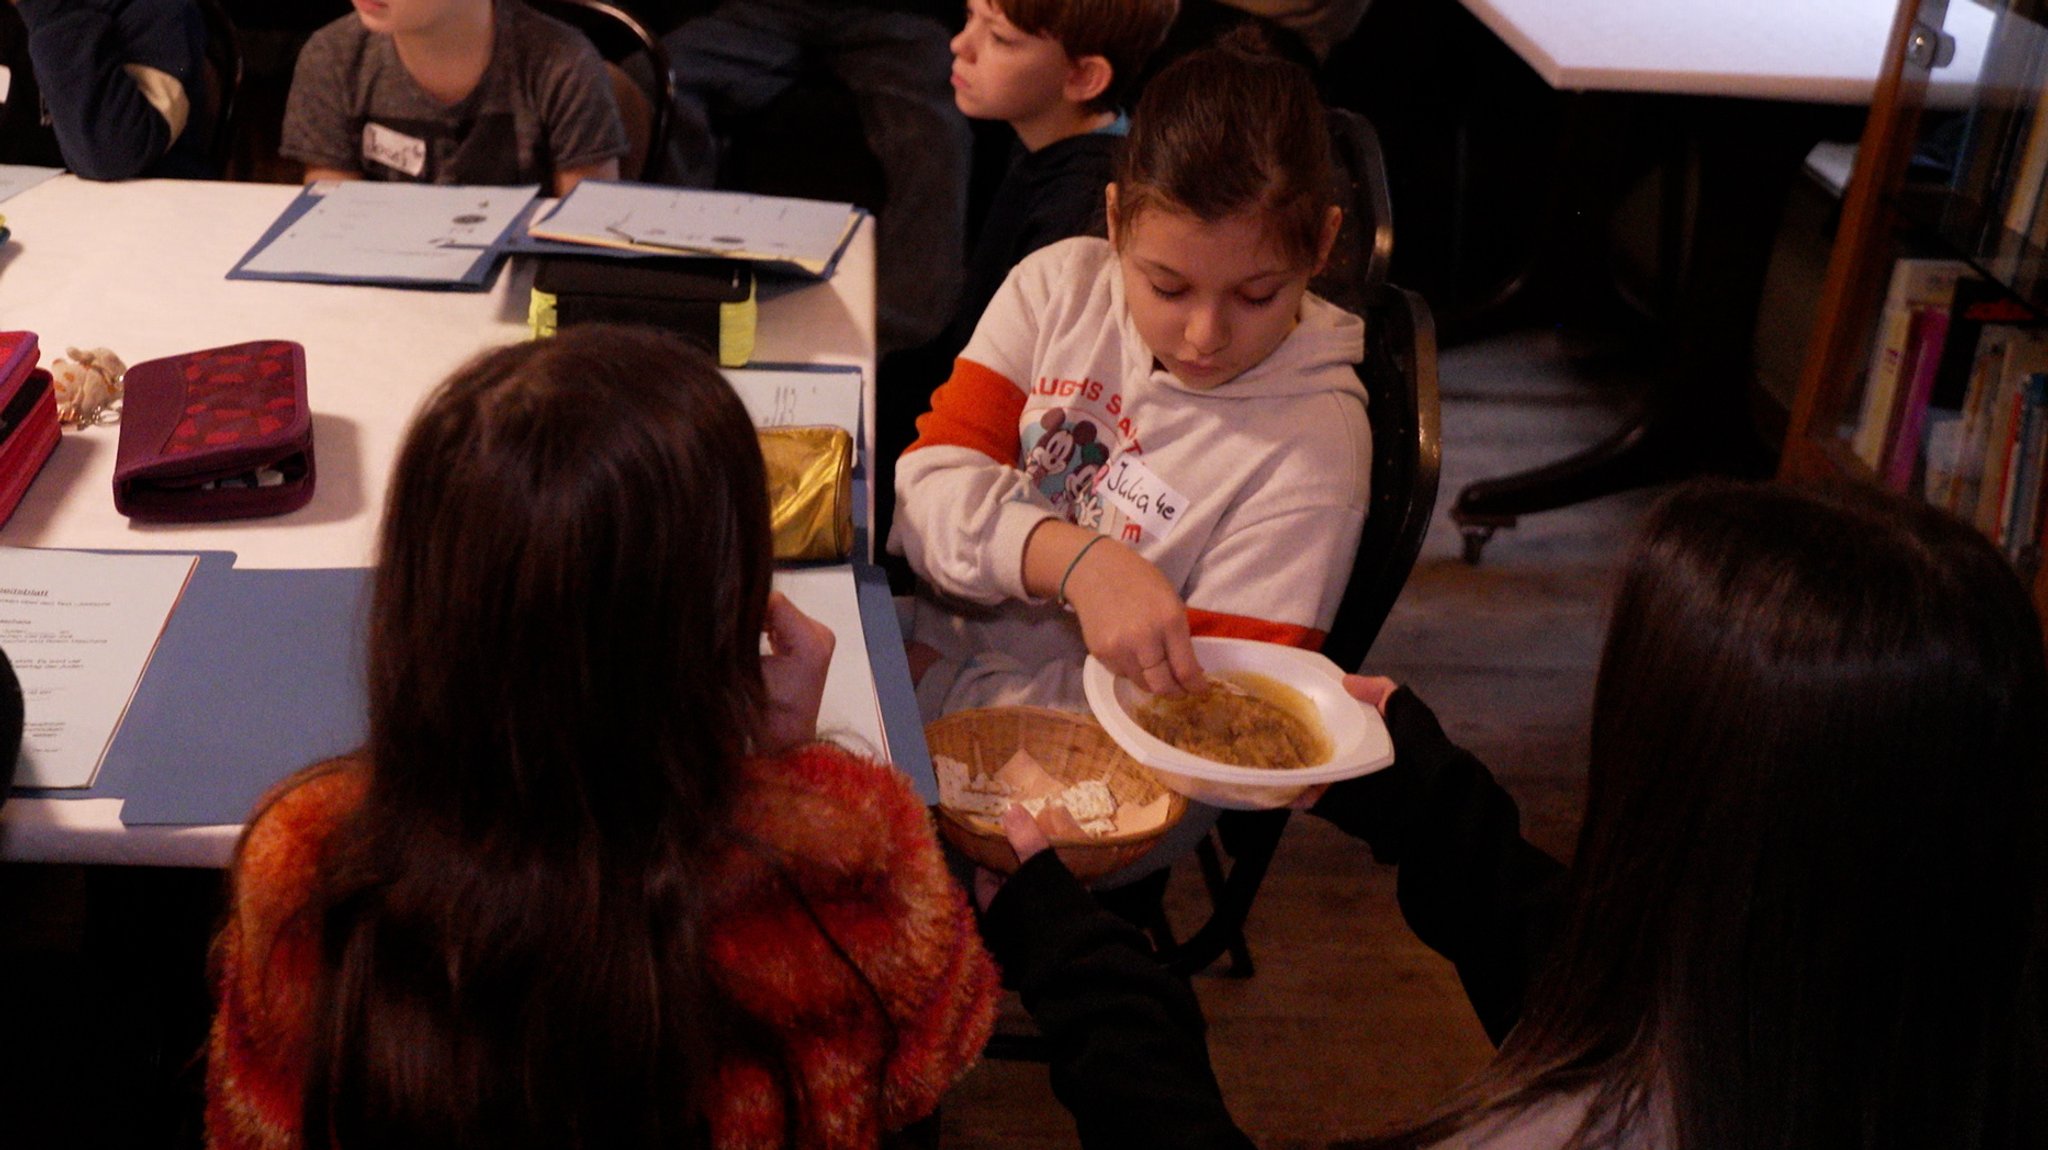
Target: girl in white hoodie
1155	436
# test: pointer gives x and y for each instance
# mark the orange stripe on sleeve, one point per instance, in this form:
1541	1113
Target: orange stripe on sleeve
1215	623
975	408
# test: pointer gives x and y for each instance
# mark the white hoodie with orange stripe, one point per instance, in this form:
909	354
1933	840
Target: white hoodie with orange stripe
1249	497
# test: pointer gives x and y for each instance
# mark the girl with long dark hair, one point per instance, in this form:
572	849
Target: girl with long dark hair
593	881
1806	908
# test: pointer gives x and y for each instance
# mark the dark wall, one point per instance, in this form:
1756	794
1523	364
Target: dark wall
1470	134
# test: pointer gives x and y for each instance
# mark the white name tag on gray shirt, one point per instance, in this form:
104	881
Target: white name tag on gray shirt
394	149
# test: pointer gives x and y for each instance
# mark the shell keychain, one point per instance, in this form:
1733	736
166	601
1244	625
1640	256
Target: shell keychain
88	386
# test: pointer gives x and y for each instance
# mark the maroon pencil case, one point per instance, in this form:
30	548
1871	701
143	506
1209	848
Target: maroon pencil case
28	417
223	433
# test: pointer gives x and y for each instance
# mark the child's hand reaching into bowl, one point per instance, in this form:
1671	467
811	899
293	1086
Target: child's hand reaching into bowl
1132	619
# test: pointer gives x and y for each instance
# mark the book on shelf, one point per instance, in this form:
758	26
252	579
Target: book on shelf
1976	306
1957	486
1943	456
2019	522
1966	424
1919	288
1909	414
1930	447
2026	358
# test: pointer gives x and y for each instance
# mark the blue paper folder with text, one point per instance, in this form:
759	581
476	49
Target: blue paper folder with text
260	672
437	236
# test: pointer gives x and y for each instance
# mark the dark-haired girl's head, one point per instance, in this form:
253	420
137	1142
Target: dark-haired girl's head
574	567
1811	867
564	676
1222	209
1231	130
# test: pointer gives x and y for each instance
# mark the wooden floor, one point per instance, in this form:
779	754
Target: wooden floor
1350	1024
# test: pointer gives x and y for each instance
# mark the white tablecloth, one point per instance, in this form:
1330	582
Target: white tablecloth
1816	51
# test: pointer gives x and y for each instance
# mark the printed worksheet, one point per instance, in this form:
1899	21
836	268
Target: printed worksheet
800	396
79	628
362	230
733	225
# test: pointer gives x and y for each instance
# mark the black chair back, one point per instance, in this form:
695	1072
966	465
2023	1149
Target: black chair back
1399	373
24	138
216	114
1357	268
628	45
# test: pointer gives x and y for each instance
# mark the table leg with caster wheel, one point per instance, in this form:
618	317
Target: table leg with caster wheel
1746	154
1647	451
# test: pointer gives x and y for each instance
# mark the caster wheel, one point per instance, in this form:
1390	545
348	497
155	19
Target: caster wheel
1475	542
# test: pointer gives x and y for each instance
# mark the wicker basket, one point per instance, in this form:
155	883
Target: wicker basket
1072	748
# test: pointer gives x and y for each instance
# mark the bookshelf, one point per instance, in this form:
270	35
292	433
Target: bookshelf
1927	370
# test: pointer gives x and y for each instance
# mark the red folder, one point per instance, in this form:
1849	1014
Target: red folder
28	417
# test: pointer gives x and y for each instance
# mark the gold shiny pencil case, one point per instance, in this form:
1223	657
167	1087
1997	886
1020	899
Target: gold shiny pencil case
810	490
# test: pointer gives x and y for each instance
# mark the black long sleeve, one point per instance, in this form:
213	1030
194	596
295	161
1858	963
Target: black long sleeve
1469	885
1130	1057
83	52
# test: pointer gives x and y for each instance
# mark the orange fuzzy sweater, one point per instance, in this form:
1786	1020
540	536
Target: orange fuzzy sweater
858	844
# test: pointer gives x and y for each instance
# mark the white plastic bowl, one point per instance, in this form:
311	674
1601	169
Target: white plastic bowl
1359	741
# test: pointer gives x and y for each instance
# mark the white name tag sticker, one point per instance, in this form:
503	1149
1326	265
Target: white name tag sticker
394	149
1143	497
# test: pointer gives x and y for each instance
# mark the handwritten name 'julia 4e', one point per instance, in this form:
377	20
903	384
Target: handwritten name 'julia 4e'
1142	496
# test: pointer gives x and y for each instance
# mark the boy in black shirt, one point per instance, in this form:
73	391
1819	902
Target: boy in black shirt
1058	72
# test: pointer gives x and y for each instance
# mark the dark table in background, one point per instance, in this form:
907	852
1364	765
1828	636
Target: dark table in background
1724	100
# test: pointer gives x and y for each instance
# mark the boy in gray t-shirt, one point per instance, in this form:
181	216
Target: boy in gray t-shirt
486	94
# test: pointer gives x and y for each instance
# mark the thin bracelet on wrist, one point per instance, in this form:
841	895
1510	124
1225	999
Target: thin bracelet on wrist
1073	563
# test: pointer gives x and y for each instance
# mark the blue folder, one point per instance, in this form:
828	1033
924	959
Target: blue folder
481	274
261	672
902	725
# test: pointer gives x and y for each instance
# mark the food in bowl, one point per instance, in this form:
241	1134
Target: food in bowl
1243	719
1358	739
1066	812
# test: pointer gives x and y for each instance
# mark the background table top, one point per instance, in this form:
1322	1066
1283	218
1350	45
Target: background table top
1818	51
140	267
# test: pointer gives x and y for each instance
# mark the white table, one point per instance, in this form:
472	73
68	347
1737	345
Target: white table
139	267
1817	51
